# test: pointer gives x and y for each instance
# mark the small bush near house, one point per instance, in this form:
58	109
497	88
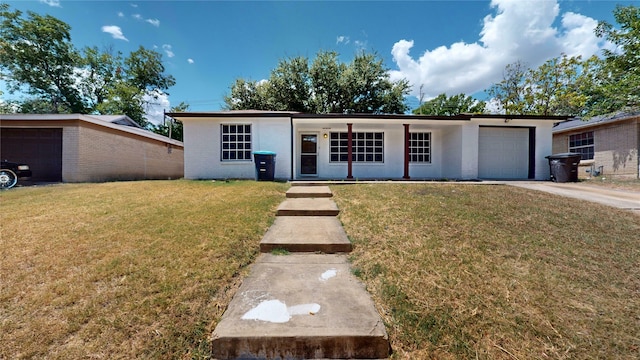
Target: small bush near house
496	272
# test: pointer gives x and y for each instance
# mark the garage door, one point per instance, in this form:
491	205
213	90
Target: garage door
503	153
40	148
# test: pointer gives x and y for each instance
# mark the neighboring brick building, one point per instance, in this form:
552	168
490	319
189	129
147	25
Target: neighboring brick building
609	145
88	148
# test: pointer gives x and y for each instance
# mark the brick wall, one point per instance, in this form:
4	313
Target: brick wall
616	148
615	145
92	153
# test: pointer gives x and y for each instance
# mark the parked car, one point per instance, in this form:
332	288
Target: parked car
10	172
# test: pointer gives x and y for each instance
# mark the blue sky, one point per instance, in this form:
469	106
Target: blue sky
445	46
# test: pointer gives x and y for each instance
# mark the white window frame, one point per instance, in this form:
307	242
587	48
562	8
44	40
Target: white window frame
235	142
368	147
420	147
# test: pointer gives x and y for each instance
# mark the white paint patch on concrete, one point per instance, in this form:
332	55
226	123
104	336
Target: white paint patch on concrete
328	274
276	311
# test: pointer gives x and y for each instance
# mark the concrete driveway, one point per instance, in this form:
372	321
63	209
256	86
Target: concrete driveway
622	199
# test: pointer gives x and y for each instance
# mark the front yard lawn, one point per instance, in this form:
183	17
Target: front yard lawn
146	269
496	272
125	270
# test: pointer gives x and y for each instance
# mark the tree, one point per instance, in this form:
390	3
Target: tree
326	86
37	57
617	77
447	106
509	93
127	84
36	53
100	71
326	74
144	70
554	88
172	128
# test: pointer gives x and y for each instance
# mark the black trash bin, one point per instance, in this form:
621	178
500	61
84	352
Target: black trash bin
564	167
265	165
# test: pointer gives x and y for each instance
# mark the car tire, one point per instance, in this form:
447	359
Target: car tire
7	179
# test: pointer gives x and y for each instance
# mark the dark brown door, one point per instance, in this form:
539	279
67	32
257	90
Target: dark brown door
309	155
41	149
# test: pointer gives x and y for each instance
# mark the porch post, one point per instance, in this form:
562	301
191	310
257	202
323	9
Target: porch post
349	151
406	151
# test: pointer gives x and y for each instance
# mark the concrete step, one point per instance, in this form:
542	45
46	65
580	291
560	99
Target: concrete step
309	192
306	234
301	307
308	207
308	183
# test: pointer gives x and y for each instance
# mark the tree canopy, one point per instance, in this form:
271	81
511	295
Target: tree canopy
324	86
448	106
615	80
575	87
38	58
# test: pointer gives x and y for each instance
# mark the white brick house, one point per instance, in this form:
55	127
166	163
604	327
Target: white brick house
366	146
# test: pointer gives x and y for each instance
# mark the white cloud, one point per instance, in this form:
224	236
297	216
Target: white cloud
342	39
115	31
53	3
134	5
168	51
154	22
190	61
156	104
518	30
120	14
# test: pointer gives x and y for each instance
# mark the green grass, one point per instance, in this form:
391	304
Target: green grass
496	272
126	269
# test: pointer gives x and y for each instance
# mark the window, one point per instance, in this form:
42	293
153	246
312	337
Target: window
582	144
367	147
420	147
236	142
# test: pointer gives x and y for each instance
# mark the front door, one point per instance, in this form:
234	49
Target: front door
309	154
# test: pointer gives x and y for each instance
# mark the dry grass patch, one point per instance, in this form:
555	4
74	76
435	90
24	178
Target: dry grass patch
496	272
125	270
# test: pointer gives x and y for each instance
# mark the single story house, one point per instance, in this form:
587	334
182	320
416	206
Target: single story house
88	148
609	145
366	146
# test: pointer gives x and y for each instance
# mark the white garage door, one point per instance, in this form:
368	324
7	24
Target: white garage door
503	153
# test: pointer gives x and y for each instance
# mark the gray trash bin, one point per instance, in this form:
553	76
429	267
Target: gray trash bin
564	167
265	165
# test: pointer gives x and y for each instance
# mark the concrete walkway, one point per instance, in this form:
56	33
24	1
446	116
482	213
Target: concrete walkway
621	199
307	304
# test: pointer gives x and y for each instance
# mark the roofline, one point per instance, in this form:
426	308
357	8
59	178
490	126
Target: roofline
92	119
298	115
231	114
522	117
583	124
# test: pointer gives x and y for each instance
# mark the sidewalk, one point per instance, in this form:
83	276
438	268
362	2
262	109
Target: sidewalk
306	304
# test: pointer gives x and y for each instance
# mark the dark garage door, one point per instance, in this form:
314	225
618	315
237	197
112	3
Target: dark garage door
40	148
